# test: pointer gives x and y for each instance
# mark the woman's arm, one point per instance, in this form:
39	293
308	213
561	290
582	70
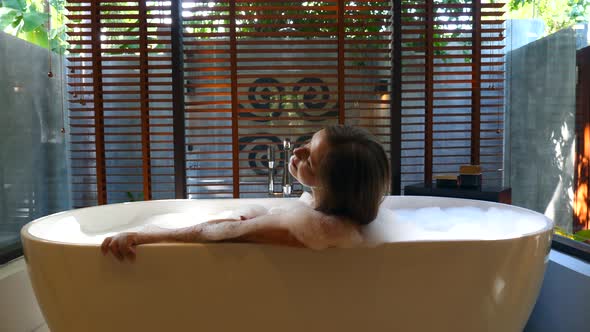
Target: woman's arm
264	229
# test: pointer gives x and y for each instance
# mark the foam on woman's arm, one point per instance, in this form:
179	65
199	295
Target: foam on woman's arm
264	229
235	229
294	225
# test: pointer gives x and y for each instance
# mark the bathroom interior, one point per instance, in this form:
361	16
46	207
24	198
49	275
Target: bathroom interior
107	102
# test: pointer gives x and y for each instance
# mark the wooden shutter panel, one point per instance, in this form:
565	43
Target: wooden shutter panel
452	88
120	105
256	72
208	77
367	66
492	91
287	80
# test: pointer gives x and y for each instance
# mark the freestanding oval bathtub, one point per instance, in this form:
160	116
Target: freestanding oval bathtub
426	285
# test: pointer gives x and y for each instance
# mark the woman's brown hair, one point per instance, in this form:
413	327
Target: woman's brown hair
354	174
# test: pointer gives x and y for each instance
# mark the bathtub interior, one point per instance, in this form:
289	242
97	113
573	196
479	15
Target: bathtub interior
401	219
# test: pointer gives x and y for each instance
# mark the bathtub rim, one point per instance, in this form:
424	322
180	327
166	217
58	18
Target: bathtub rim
549	224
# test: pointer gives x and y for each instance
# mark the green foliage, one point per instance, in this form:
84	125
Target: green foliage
562	232
29	20
14	4
32	20
516	4
582	236
451	22
557	14
133	198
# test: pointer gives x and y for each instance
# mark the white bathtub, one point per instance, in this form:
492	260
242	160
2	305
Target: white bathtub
455	286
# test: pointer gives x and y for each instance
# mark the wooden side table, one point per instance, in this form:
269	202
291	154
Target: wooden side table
486	193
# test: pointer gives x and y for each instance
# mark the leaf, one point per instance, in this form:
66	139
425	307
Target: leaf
7	17
582	235
58	46
37	37
58	32
515	4
57	4
17	23
20	5
33	20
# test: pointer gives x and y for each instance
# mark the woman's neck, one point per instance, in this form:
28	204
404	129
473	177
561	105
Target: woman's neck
314	194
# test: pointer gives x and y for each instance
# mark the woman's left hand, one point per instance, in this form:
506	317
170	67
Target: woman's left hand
122	245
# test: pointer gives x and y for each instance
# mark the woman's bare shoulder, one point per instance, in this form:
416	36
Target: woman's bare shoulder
319	231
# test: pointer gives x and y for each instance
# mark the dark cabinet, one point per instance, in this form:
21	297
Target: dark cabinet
491	194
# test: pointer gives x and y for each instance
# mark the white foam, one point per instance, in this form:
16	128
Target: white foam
457	223
91	231
391	225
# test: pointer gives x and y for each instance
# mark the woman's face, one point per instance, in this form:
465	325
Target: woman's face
306	159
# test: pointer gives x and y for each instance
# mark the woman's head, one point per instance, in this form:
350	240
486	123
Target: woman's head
347	169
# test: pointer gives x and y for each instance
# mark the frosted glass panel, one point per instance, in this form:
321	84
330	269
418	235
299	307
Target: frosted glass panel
33	161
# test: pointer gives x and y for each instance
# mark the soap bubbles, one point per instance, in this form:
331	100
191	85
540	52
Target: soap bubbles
391	225
457	223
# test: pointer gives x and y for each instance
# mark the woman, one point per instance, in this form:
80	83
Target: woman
348	173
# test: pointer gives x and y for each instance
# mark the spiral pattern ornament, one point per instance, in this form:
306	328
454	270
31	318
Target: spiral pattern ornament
265	95
315	96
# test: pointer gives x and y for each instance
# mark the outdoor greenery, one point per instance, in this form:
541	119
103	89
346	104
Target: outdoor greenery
582	236
557	14
42	21
29	19
36	21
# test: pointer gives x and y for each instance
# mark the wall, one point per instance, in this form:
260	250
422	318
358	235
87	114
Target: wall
33	159
521	32
538	161
540	114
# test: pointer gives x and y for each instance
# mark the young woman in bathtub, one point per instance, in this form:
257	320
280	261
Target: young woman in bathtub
348	173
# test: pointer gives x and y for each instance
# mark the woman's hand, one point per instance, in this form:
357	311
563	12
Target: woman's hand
122	245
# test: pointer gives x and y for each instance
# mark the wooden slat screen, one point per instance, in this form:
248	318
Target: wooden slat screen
120	101
258	71
208	97
287	79
261	71
368	42
452	88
